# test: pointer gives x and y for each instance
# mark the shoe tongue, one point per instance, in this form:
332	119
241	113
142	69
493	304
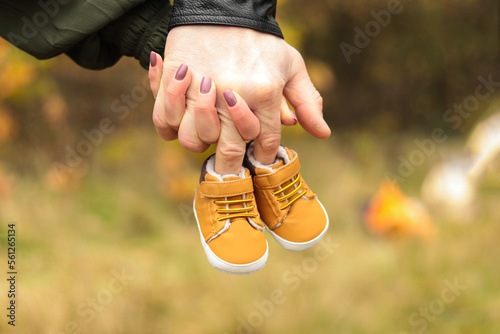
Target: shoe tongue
260	171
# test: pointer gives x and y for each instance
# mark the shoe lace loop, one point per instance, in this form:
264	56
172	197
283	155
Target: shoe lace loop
294	195
241	212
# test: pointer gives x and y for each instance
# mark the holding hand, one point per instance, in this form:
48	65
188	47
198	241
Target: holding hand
260	67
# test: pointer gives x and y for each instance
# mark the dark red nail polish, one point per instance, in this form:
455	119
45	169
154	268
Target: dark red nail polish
152	59
181	72
206	83
230	98
294	116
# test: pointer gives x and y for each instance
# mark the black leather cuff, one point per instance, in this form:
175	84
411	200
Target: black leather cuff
255	14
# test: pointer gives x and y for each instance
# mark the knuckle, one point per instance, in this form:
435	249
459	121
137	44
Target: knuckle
171	92
172	117
251	133
209	134
240	116
210	138
269	90
191	145
313	100
270	143
317	98
231	152
158	122
204	108
164	131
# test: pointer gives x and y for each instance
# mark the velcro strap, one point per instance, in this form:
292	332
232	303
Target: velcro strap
227	188
277	178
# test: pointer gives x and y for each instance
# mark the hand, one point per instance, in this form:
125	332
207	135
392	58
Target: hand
260	67
206	117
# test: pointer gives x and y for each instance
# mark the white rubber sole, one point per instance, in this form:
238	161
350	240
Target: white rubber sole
300	246
226	267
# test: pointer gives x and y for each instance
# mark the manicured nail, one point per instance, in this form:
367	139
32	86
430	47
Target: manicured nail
181	72
294	116
230	98
206	83
152	59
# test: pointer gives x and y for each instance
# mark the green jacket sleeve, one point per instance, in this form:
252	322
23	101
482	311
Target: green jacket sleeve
95	34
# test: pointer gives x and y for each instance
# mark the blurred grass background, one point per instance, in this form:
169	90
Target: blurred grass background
127	206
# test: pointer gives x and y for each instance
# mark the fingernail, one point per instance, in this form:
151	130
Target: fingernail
294	116
206	83
152	59
181	72
230	98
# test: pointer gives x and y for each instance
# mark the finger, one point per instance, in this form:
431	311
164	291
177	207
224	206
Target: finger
155	71
306	101
163	129
288	117
175	97
230	149
207	120
188	133
267	110
245	120
188	136
170	103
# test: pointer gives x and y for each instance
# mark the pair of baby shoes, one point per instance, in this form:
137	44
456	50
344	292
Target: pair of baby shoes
232	212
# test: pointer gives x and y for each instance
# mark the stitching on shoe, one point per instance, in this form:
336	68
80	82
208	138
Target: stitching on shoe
211	221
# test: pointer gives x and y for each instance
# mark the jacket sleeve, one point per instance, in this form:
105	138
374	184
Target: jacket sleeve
135	34
255	14
95	34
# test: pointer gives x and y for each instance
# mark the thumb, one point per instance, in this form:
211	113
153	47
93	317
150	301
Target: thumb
306	101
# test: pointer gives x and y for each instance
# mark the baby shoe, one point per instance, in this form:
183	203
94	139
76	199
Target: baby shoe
290	210
231	231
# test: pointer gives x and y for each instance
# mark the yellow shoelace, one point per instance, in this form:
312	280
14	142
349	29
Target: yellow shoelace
237	212
296	191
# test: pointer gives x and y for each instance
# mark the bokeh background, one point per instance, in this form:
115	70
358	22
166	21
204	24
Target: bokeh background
107	242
